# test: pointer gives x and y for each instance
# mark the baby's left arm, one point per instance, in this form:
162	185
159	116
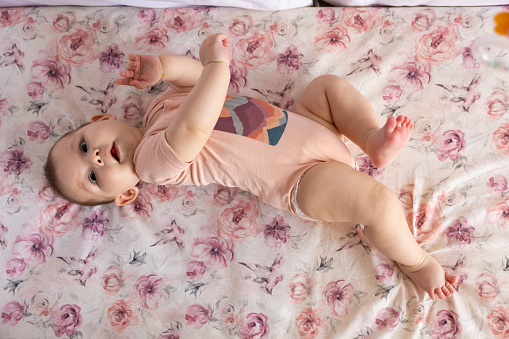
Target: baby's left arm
144	71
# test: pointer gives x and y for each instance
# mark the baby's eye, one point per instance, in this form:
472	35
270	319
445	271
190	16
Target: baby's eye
92	177
83	146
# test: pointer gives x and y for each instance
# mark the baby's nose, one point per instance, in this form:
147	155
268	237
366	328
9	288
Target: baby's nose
96	158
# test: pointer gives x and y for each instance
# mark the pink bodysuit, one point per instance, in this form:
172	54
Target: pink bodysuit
255	146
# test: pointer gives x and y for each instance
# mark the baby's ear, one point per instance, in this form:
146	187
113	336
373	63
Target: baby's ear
126	197
100	117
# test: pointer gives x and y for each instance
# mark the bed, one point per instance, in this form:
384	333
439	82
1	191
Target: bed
214	262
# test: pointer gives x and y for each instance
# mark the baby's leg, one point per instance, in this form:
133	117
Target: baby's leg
334	191
336	104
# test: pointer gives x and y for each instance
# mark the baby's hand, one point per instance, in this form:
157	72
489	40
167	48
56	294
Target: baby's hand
142	71
214	49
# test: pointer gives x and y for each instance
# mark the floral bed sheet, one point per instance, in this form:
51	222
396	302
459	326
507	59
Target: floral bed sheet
214	262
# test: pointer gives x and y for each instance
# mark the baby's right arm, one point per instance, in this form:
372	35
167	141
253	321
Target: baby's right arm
198	114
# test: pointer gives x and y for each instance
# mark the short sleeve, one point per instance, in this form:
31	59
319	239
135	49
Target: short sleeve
155	161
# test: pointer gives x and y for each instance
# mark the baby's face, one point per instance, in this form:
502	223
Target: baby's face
95	163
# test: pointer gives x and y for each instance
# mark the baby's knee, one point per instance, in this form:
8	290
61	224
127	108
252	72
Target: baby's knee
384	203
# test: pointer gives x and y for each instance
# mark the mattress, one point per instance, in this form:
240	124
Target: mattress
213	261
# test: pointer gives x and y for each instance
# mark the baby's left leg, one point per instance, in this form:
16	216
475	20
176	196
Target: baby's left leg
336	104
334	191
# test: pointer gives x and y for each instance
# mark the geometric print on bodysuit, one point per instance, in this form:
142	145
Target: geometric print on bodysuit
252	118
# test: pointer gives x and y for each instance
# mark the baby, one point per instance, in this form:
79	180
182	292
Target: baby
195	134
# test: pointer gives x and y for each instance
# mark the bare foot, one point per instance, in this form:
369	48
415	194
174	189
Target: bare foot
384	144
431	277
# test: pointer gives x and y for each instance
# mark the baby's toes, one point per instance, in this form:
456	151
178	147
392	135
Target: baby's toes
446	291
439	293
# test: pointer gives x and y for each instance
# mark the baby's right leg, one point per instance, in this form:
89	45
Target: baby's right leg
336	192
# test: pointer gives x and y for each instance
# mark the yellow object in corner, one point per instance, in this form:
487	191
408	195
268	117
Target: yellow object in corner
502	23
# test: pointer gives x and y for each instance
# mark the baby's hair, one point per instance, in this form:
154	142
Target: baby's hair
50	177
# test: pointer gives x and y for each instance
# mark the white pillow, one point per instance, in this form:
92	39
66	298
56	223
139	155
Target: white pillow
248	4
454	3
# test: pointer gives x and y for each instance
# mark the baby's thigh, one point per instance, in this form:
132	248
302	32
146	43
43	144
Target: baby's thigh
334	191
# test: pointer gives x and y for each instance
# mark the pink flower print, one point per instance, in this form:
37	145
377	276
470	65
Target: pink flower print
164	192
213	250
15	267
3	232
468	59
111	60
384	273
33	247
67	321
140	208
438	46
497	104
64	22
386	33
12	16
254	50
50	72
148	16
366	166
326	15
122	314
224	195
387	319
501	138
188	204
29	29
38	131
391	94
487	286
425	221
289	61
197	316
59	218
3	108
277	232
45	194
35	90
461	234
171	233
12	313
149	289
338	295
94	226
13	161
332	39
446	325
112	280
361	19
498	321
410	74
77	47
195	269
311	322
423	20
299	287
154	40
239	222
131	108
499	214
255	326
497	183
238	78
240	25
181	20
450	145
11	54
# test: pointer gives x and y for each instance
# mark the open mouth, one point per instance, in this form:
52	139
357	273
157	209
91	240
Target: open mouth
114	153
